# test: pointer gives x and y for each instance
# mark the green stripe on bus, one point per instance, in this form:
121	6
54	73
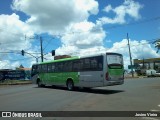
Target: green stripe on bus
115	71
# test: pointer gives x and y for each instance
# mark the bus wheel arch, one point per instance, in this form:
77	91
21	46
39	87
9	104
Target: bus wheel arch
70	84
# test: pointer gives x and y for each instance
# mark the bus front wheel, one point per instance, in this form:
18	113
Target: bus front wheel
39	83
70	85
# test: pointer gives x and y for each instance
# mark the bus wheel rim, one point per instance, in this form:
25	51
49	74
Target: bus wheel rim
70	85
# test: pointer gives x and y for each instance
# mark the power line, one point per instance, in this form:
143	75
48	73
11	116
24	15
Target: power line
116	26
49	41
151	41
6	52
21	59
113	27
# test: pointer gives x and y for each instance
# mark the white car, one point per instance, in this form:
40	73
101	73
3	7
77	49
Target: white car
150	72
157	74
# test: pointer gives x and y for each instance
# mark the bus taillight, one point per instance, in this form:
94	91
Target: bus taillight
106	75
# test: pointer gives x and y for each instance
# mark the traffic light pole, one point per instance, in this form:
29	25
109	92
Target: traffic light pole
30	55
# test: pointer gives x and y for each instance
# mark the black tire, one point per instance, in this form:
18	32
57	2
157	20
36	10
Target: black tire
53	86
70	85
87	88
39	83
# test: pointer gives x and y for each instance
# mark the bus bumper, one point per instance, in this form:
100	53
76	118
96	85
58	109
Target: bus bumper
110	83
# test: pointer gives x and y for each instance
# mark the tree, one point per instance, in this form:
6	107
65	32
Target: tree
20	67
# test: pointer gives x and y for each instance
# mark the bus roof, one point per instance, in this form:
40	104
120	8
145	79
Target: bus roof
60	60
76	57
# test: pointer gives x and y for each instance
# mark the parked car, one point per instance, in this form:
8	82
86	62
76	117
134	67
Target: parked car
151	73
157	74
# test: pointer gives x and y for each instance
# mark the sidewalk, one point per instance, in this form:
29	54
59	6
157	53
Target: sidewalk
126	76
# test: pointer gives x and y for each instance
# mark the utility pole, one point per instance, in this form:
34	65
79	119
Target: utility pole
130	56
36	60
41	49
40	46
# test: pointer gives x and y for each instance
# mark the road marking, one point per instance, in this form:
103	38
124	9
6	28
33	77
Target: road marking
155	110
149	118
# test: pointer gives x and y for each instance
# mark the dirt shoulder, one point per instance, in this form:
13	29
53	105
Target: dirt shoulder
15	82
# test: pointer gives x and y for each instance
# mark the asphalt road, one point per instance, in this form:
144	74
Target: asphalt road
138	94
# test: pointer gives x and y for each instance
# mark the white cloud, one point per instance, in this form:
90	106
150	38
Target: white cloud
54	16
108	8
86	36
12	32
67	50
44	16
6	64
129	7
68	17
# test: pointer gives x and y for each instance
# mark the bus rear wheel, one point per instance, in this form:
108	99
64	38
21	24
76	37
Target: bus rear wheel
70	85
87	88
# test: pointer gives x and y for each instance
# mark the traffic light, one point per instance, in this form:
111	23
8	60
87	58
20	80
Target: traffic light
53	52
22	52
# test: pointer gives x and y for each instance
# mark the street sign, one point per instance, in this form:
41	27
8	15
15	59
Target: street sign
131	67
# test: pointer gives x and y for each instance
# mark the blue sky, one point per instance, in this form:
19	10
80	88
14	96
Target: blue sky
79	28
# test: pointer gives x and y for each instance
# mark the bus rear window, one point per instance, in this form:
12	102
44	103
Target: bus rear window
114	59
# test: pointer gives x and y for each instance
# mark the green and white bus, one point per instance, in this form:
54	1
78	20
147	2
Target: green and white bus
87	72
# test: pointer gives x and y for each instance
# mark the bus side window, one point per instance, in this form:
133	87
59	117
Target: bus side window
81	64
86	65
56	67
67	66
100	62
53	67
100	66
39	68
94	64
76	65
44	68
59	67
49	67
